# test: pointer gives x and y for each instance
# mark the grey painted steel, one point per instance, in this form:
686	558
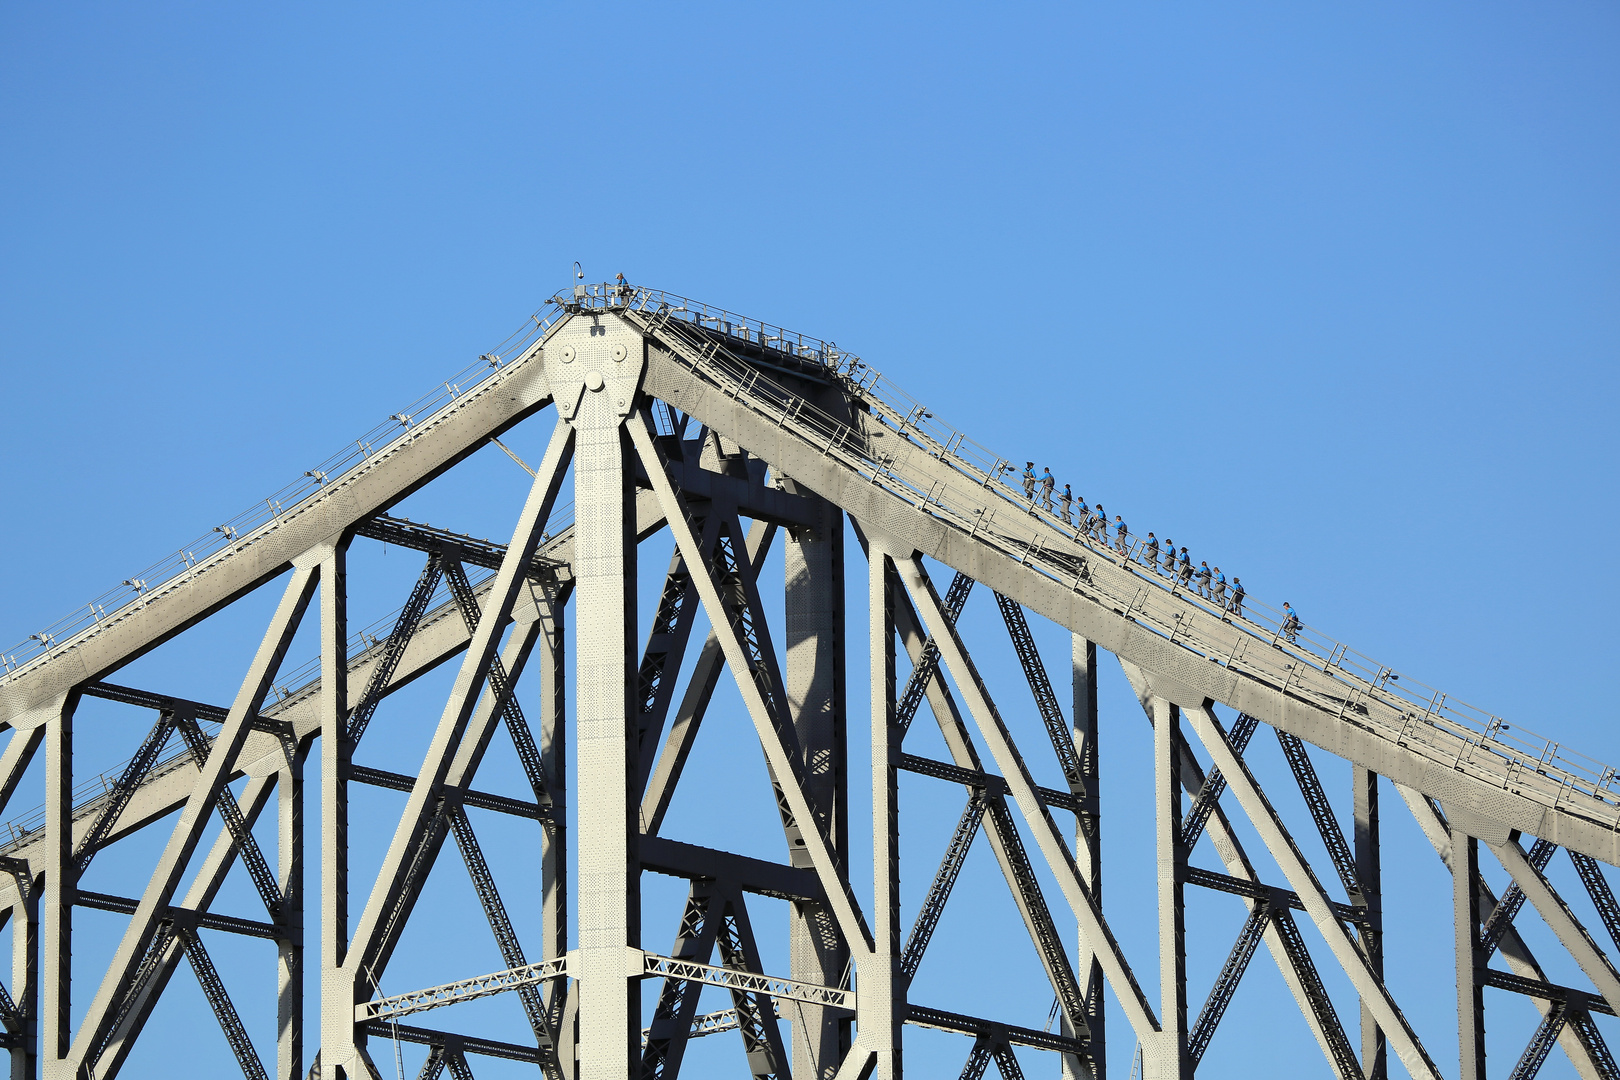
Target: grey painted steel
793	437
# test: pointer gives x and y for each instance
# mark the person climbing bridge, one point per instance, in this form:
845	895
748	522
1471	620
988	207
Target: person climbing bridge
1183	569
1048	482
1219	595
1236	607
1170	558
1121	535
1099	519
1203	580
621	289
1150	553
1065	504
1029	480
1290	624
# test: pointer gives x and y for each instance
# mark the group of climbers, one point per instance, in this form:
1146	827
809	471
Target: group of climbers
1092	523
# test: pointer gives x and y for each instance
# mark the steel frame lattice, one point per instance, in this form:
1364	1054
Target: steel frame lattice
730	436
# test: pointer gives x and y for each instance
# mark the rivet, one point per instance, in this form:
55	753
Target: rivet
568	354
594	382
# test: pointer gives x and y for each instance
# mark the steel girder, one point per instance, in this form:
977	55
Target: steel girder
657	432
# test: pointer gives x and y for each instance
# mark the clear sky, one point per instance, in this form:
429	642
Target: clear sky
1330	295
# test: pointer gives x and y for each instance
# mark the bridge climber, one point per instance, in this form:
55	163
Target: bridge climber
738	442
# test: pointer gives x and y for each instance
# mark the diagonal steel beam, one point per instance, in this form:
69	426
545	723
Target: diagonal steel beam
694	704
756	1014
673	1016
1541	1043
123	789
506	939
375	928
1000	832
1517	954
1265	820
955	658
926	666
1597	887
665	649
1046	702
382	674
1226	981
502	687
774	730
1230	849
140	999
1316	801
1498	921
193	819
1560	920
220	1001
933	905
264	879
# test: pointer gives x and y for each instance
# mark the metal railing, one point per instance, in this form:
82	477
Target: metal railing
977	495
242	530
985	501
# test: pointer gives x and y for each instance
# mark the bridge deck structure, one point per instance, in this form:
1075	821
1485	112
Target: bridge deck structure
731	436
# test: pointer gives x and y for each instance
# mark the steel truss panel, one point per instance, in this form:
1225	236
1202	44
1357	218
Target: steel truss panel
727	432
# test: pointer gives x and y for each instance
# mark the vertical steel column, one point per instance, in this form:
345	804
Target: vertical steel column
1088	857
554	836
814	678
338	1034
290	946
605	595
56	941
1370	873
1170	1059
25	980
1470	991
882	987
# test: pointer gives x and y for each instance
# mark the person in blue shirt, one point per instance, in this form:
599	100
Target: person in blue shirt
1048	482
1170	557
1150	553
1029	480
1220	588
1237	597
1183	569
1120	534
1065	503
1099	518
1203	580
1291	623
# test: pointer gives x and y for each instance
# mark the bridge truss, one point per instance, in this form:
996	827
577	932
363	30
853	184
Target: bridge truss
733	436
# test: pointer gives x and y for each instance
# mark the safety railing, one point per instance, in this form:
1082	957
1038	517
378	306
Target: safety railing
240	531
1416	715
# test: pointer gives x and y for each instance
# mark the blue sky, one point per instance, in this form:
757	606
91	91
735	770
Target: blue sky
1328	295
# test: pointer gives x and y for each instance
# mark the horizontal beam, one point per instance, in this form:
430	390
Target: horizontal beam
940	1020
1504	980
469	1044
402	532
677	859
480	986
943	770
752	497
1209	879
205	920
748	982
483	800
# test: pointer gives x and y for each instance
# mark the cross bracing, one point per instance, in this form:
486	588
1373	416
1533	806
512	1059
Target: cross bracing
735	441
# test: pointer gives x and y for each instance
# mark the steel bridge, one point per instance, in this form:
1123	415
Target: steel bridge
736	436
